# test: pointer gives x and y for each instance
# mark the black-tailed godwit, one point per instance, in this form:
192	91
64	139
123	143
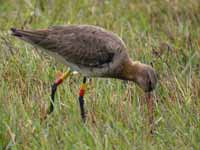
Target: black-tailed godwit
94	52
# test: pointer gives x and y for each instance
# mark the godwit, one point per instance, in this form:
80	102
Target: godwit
94	52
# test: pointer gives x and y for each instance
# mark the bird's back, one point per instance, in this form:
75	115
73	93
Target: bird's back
88	49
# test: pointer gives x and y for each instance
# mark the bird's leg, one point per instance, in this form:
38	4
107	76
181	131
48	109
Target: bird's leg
57	82
150	106
81	99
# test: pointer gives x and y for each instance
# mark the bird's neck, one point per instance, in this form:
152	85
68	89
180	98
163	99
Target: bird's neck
131	70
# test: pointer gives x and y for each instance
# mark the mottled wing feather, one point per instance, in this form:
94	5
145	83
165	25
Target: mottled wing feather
84	45
86	49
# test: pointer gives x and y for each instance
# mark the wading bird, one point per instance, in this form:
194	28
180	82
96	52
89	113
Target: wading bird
93	52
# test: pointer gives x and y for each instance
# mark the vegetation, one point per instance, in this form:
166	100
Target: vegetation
165	33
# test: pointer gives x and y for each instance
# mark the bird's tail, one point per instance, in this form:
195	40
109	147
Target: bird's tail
33	37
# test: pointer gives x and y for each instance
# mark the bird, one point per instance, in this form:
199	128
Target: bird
94	52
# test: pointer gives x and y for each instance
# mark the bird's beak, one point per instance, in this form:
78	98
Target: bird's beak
150	106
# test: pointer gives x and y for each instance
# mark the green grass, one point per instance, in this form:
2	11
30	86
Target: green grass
165	33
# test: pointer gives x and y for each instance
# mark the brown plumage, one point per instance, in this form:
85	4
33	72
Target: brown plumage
92	51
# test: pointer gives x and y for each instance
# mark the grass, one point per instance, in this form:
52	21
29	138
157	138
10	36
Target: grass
164	33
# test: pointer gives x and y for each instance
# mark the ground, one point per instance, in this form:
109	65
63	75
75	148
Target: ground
164	33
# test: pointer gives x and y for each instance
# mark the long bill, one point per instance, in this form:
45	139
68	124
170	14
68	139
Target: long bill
150	106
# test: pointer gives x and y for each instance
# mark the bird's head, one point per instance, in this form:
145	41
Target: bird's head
146	78
143	75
